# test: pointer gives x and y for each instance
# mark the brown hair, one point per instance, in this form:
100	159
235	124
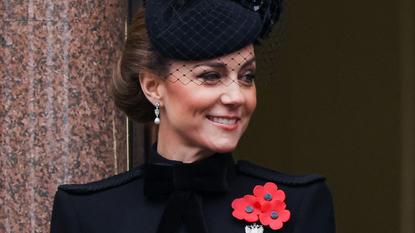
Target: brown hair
138	56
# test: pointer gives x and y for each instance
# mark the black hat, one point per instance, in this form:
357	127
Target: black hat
203	29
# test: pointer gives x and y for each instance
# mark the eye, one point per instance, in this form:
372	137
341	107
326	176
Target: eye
247	79
210	78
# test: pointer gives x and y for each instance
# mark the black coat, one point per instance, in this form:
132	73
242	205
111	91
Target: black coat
117	204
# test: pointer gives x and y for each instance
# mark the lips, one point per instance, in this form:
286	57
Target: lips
224	120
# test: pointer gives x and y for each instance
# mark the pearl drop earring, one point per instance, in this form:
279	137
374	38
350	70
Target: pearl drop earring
157	112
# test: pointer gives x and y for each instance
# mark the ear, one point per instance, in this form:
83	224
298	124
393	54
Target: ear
151	85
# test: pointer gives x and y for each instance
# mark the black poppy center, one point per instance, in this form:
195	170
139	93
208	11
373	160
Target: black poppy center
268	197
249	209
274	214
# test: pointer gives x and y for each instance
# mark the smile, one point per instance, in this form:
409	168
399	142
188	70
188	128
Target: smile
225	121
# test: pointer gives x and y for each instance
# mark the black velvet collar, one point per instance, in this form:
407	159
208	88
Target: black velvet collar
156	158
183	183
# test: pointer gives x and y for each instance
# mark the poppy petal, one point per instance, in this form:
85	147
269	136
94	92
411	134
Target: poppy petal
279	195
266	206
258	190
285	215
239	204
239	214
270	187
265	219
251	218
279	205
276	224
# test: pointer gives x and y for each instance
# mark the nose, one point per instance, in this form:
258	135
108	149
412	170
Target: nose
233	96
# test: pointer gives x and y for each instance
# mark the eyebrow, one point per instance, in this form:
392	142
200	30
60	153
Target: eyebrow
214	64
249	62
220	64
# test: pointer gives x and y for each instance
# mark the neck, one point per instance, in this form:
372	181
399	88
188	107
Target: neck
170	148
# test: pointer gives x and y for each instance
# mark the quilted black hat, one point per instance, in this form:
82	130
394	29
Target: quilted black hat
202	29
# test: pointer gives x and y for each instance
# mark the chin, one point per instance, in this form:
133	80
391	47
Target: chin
225	148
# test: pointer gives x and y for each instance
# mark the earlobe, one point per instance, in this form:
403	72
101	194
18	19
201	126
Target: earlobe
150	85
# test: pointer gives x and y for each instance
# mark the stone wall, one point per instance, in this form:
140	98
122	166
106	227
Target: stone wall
58	123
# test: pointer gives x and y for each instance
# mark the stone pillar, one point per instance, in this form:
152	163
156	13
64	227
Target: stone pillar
58	123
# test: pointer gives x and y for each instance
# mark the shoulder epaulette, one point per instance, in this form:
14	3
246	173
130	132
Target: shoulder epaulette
275	176
107	183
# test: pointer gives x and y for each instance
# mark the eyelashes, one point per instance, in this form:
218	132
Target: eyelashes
210	77
248	79
213	78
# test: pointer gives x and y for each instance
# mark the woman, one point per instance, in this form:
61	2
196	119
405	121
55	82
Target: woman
190	66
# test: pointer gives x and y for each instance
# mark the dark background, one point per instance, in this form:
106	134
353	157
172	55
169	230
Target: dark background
342	104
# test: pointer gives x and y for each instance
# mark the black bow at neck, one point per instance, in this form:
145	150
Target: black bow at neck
183	183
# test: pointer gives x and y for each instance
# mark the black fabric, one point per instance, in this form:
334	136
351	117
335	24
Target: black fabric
183	183
123	208
208	175
107	183
270	11
172	215
193	216
280	177
203	29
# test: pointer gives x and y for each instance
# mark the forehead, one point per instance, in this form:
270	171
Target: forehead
232	60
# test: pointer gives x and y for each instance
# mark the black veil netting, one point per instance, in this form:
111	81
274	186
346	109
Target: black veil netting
209	41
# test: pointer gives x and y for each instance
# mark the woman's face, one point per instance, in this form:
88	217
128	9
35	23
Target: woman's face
207	105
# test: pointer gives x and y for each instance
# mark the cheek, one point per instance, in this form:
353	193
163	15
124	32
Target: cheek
174	92
183	100
251	102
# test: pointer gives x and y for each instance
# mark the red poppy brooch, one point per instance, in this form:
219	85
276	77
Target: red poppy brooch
266	205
